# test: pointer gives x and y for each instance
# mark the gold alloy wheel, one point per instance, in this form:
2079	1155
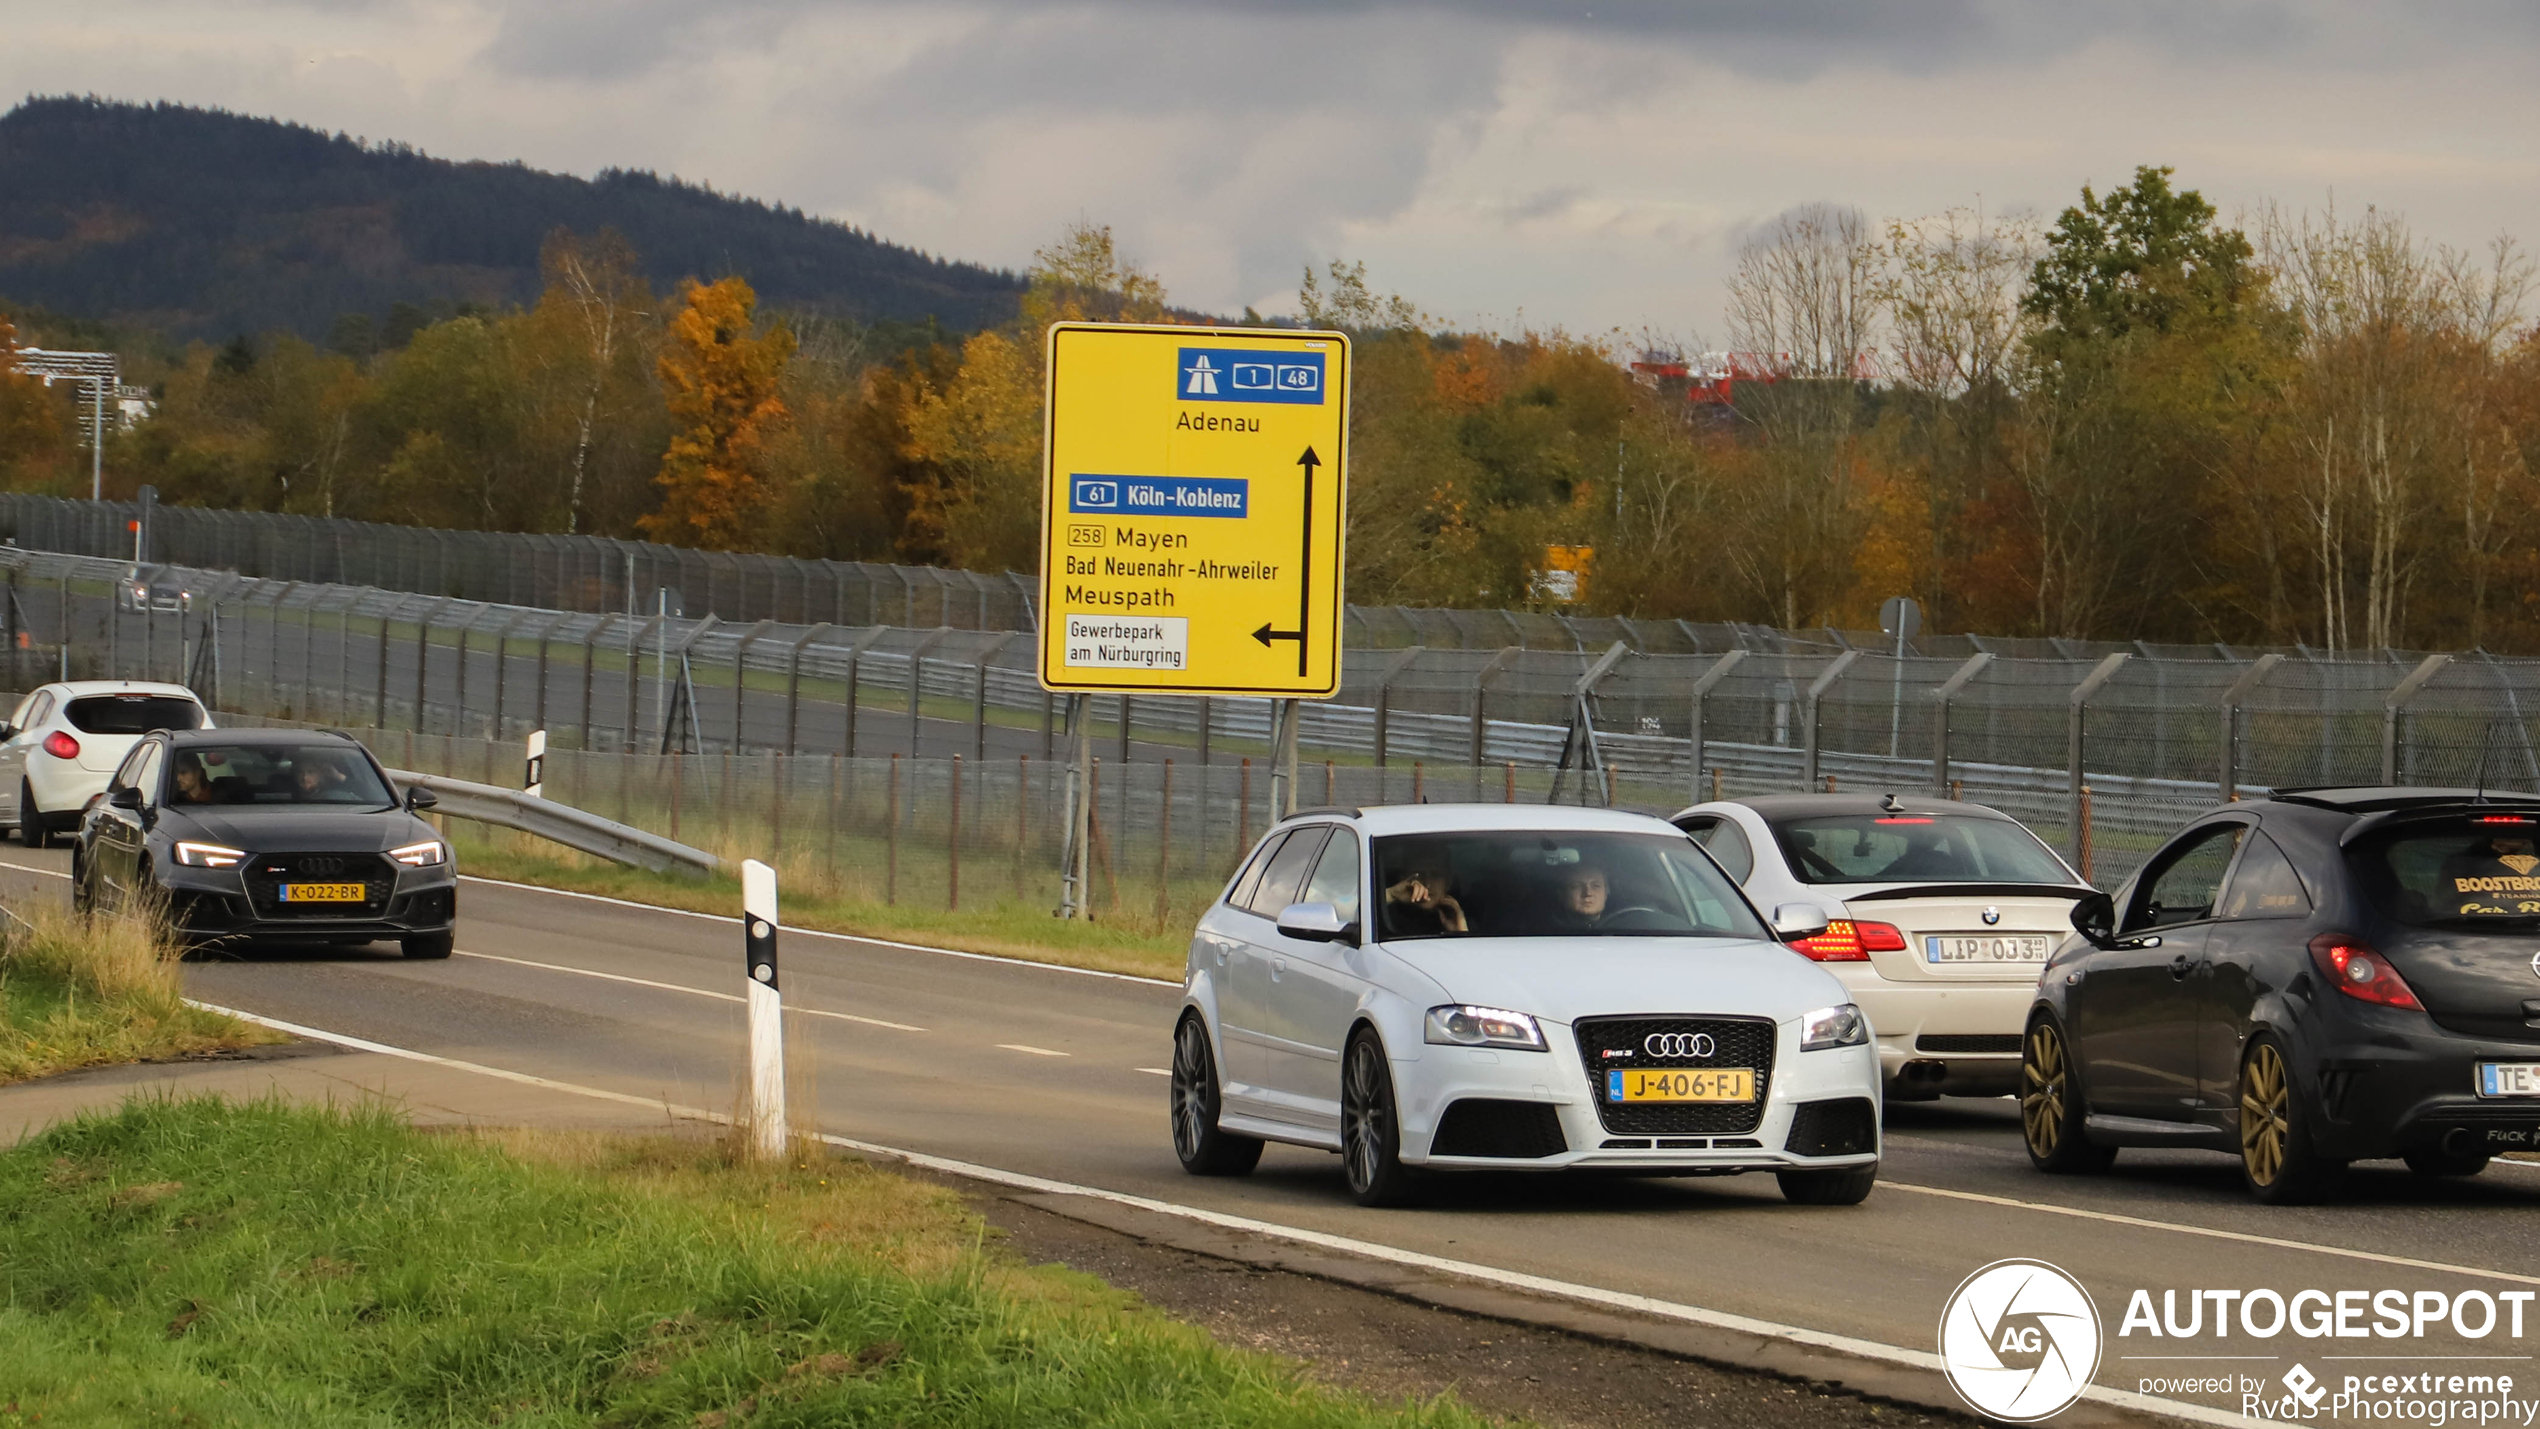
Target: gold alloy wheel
2043	1086
2266	1107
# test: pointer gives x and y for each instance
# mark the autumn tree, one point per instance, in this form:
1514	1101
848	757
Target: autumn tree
720	385
31	427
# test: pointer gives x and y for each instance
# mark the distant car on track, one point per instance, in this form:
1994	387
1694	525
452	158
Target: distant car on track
2305	980
63	740
1485	987
1939	915
268	834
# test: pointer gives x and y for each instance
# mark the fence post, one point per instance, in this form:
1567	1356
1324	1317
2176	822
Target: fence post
952	842
1481	692
794	683
1205	705
1817	688
1941	697
891	836
1164	844
767	1132
2394	707
2076	718
1384	696
916	684
855	672
741	674
502	667
979	703
2084	842
1702	688
1022	815
2228	776
636	638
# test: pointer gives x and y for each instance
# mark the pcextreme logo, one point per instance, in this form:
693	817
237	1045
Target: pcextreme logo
2020	1340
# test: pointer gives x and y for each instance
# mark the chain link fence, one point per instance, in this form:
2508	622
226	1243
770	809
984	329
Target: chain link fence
2104	753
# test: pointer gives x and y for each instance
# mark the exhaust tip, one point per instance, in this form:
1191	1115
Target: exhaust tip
1924	1071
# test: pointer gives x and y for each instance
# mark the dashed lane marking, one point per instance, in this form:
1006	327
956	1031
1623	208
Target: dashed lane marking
1156	1071
1035	1051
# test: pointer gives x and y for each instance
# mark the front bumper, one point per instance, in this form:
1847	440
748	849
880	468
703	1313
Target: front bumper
1426	1085
211	905
2382	1091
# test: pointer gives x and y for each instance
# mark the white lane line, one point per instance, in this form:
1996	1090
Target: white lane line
1154	1071
52	872
2210	1232
681	987
1035	1051
809	932
1373	1250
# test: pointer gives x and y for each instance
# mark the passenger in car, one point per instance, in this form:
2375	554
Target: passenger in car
1421	902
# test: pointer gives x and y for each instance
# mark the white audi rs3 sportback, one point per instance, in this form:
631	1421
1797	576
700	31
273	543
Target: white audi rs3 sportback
1475	987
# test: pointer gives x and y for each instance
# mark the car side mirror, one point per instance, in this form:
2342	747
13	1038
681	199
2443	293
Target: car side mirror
418	798
126	798
1794	921
2095	918
1316	923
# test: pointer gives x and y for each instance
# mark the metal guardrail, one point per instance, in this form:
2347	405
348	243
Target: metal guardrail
576	829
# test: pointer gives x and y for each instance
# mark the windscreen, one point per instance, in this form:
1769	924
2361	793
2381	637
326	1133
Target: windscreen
1558	884
2474	871
291	774
132	714
1915	848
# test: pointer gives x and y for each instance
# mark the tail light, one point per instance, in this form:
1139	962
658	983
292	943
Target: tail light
1847	941
60	745
2357	971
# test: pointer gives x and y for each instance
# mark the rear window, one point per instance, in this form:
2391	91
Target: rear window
1915	848
2471	872
132	714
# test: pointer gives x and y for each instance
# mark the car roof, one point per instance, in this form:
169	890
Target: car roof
1792	806
187	738
1380	820
80	689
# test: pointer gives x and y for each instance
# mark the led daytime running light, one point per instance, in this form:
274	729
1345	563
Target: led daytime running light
1465	1025
422	855
201	855
1828	1027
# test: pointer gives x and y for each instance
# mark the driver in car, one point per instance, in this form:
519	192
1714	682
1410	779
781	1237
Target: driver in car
1583	891
193	784
316	778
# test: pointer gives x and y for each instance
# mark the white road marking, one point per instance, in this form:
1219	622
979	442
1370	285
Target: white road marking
1035	1051
1155	1071
681	987
47	872
1373	1250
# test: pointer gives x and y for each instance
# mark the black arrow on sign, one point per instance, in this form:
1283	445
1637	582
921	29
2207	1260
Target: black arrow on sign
1305	573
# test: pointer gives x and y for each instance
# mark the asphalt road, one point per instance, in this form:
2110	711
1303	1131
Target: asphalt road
1058	1074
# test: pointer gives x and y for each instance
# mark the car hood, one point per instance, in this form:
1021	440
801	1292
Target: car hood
1569	978
283	828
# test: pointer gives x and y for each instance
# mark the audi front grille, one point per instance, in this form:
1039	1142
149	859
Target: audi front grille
1734	1042
266	873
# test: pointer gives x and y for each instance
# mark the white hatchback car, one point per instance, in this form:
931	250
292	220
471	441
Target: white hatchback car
1497	987
1940	915
63	742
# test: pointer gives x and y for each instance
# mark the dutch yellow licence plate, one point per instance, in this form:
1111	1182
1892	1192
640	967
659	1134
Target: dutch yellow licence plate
324	893
1707	1084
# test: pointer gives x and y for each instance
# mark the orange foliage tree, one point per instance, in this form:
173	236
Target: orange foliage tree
720	382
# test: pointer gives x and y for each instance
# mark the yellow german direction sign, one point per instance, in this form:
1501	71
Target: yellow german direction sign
1194	481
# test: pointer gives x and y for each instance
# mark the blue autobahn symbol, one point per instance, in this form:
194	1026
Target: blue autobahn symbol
1095	496
1223	374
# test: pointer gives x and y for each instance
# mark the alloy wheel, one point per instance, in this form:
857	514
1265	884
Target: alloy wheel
2044	1085
1194	1111
2266	1104
1365	1128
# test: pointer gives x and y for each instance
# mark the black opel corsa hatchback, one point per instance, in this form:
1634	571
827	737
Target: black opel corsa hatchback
2314	978
283	835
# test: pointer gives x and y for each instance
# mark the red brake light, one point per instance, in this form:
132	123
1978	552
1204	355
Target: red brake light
61	746
2357	971
1839	943
2500	819
1900	821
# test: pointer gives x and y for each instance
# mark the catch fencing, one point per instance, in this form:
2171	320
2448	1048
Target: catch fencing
2104	755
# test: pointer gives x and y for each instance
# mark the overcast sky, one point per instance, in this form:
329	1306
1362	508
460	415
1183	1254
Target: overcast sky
1502	162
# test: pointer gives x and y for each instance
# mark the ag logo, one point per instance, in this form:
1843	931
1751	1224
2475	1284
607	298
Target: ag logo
2020	1340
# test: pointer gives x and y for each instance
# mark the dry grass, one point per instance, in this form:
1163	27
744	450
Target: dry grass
81	992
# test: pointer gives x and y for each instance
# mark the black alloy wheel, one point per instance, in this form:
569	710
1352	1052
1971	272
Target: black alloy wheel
2051	1107
1371	1133
1203	1149
2277	1161
31	830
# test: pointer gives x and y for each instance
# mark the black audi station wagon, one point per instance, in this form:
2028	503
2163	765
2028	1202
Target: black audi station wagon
288	835
2310	979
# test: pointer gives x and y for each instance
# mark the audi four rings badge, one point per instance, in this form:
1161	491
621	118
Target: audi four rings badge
1679	1044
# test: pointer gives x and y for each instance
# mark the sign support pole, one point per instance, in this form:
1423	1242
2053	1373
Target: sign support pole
765	1117
1075	863
1283	719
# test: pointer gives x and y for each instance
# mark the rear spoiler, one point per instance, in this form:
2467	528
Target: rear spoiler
1968	890
2520	810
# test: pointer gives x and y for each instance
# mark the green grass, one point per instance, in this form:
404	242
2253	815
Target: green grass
208	1263
81	993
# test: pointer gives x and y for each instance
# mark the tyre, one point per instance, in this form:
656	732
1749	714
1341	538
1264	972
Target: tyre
83	902
1849	1186
2433	1162
428	945
1204	1149
31	829
2277	1160
2051	1106
1371	1131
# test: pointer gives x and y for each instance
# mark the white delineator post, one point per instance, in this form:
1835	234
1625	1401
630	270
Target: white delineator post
765	1116
533	779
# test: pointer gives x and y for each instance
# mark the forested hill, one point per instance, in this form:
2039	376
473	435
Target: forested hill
203	224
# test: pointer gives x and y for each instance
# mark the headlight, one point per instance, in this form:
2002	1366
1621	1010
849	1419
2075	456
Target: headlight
1462	1025
1842	1026
422	855
194	855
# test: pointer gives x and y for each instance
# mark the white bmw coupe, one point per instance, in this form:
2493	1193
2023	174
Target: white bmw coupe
1476	987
